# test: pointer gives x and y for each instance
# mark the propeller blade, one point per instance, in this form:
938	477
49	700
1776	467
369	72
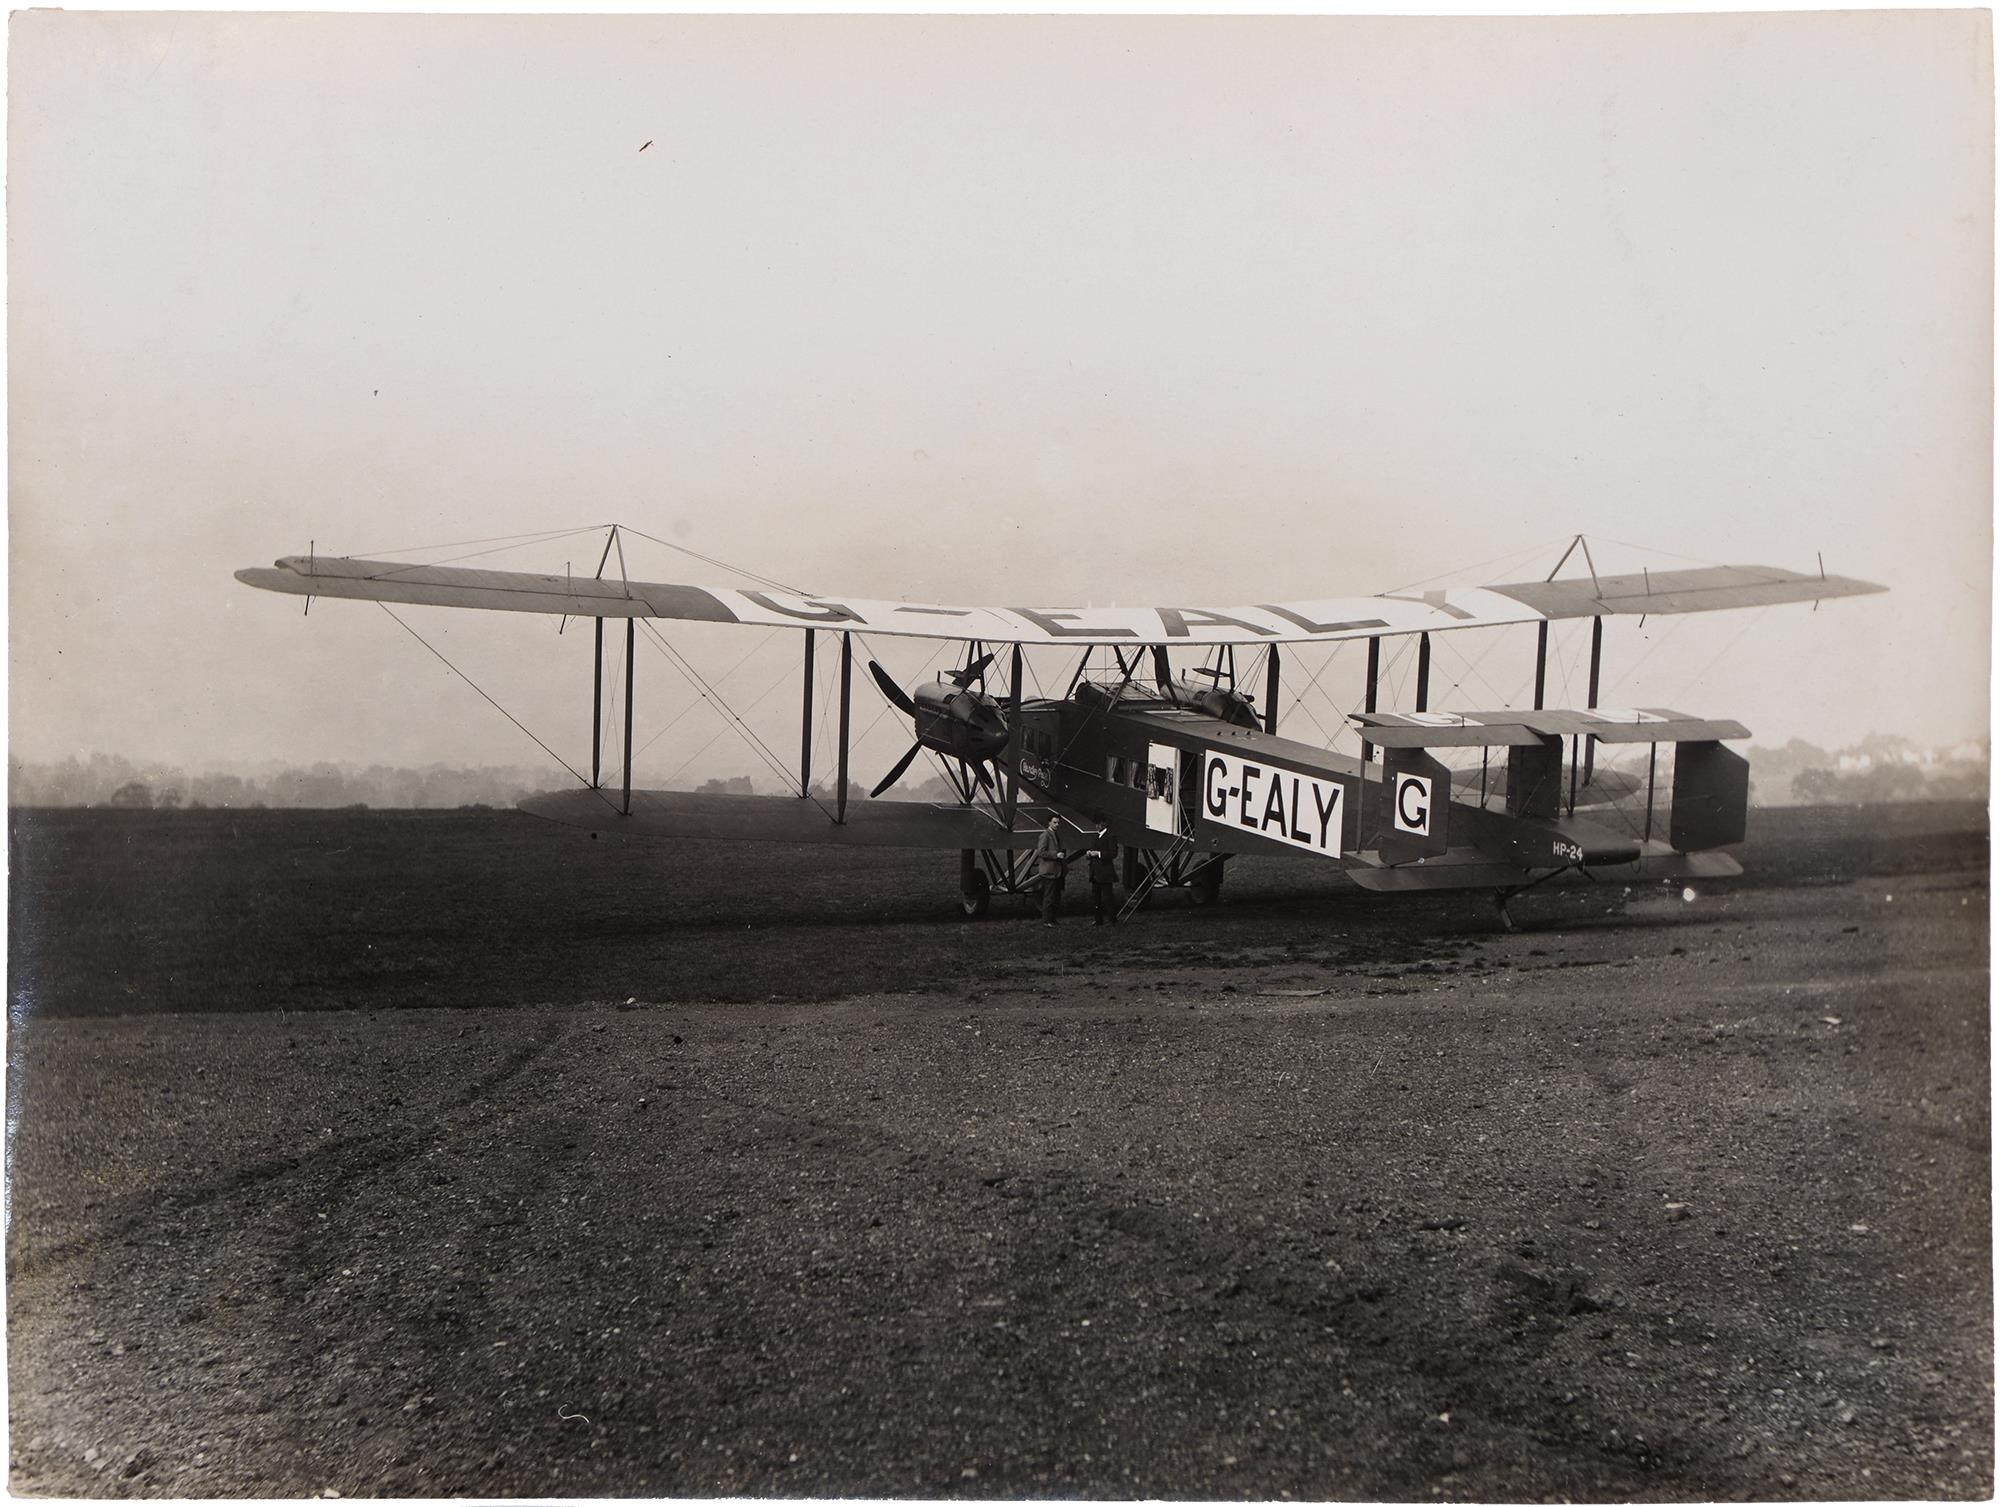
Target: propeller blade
897	773
895	694
1163	670
985	779
974	671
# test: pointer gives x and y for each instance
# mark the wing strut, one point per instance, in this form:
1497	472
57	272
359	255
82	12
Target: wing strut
1652	761
1271	690
1014	733
846	682
1596	659
597	711
1423	672
806	726
1368	695
631	633
1595	584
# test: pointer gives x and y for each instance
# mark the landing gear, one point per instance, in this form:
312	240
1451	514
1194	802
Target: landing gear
974	889
972	899
1502	897
1205	884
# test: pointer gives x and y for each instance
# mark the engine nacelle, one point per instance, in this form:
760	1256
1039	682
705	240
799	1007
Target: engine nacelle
1214	701
965	724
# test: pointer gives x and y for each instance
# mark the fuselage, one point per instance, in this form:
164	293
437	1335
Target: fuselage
1155	772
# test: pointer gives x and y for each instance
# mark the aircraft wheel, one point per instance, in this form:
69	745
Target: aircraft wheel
1206	886
974	893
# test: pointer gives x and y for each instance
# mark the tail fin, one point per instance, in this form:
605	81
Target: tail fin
1711	797
1415	806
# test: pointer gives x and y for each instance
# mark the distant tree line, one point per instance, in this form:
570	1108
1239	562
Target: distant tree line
1880	767
112	781
109	780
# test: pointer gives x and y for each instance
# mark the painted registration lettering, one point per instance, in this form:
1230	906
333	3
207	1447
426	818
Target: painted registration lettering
1567	851
1410	811
1284	805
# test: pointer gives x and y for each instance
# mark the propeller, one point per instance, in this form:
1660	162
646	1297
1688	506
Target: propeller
961	723
896	694
900	699
974	671
897	773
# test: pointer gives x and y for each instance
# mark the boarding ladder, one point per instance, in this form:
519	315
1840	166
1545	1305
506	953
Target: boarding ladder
1161	865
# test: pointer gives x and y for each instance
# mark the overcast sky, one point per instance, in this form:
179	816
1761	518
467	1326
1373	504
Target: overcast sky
980	309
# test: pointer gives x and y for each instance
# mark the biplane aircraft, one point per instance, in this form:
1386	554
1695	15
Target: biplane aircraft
1180	768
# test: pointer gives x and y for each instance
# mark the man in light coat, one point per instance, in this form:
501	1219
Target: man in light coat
1052	863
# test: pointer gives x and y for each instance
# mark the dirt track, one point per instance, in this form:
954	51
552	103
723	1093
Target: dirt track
1688	1201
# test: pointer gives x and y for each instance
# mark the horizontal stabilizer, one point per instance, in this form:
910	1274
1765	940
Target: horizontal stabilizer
1523	729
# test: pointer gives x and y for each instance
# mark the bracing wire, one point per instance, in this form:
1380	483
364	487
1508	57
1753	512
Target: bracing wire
1721	653
1035	680
1299	705
889	706
502	543
1562	666
675	773
714	694
580	779
1647	549
384	575
720	679
757	744
1312	681
1383	673
749	575
1471	670
1632	669
607	705
521	540
1526	553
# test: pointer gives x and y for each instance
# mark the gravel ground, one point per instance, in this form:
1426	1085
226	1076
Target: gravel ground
1687	1201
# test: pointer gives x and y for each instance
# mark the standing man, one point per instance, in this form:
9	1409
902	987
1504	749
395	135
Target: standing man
1051	863
1103	874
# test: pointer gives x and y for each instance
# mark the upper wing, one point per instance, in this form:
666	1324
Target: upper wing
1706	589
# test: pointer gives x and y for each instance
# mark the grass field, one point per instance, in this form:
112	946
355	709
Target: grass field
116	911
451	1155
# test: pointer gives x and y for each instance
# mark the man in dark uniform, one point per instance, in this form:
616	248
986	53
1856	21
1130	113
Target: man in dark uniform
1103	874
1051	863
